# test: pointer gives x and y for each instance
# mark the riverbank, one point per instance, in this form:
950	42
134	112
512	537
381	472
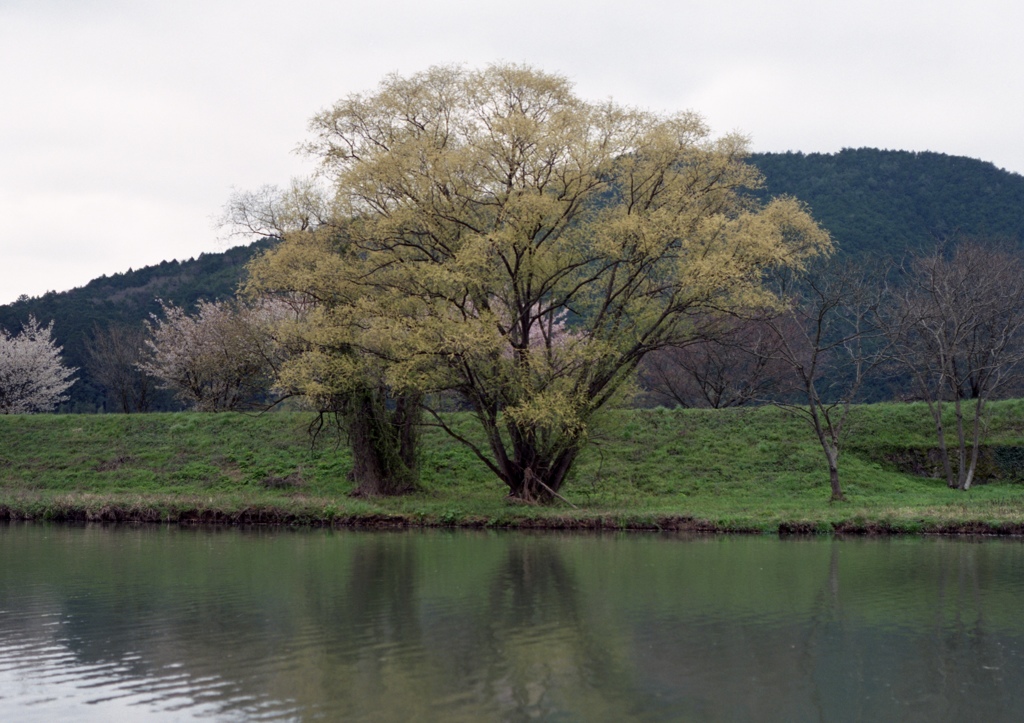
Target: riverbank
754	471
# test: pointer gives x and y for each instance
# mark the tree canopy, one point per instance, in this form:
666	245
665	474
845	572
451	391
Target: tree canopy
32	376
507	241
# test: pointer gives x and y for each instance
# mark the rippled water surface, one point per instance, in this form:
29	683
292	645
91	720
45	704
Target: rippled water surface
124	623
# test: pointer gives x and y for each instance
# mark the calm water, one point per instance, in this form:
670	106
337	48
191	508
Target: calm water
101	623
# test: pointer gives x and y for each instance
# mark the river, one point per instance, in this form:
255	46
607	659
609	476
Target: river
167	623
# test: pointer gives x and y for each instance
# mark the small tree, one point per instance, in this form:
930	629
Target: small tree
313	274
957	324
222	358
113	355
32	376
826	334
316	272
731	362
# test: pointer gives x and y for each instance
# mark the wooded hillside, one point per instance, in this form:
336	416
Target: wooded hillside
886	202
126	298
872	201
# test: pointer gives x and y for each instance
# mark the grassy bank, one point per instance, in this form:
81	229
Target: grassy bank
736	470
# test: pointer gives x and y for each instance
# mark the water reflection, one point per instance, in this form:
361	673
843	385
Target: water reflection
113	622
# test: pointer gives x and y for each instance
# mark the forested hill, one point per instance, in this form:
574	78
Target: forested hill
126	298
888	201
871	201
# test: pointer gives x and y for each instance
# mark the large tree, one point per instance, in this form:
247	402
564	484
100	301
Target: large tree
528	248
32	376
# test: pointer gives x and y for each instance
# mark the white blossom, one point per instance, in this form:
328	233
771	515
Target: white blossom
32	376
221	358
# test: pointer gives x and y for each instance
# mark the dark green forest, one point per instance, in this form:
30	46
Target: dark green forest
888	202
873	202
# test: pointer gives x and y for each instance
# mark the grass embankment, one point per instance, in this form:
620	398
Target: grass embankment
737	470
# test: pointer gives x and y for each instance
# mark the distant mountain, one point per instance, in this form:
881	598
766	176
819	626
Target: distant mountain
872	201
886	202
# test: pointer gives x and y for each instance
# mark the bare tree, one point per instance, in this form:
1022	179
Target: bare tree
733	361
273	211
957	324
827	335
222	358
113	355
32	376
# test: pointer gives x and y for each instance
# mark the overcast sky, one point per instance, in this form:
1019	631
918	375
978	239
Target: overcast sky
125	124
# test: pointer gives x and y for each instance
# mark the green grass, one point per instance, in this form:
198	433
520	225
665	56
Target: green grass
740	470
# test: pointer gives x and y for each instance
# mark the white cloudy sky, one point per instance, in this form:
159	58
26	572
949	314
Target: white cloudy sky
125	124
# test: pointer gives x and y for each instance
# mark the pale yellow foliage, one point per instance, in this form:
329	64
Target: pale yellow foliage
472	208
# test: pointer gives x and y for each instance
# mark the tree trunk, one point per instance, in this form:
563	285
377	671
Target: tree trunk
828	437
832	454
975	444
383	443
540	481
405	420
969	477
940	433
961	443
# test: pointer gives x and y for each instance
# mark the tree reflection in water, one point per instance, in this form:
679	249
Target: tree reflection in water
490	626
